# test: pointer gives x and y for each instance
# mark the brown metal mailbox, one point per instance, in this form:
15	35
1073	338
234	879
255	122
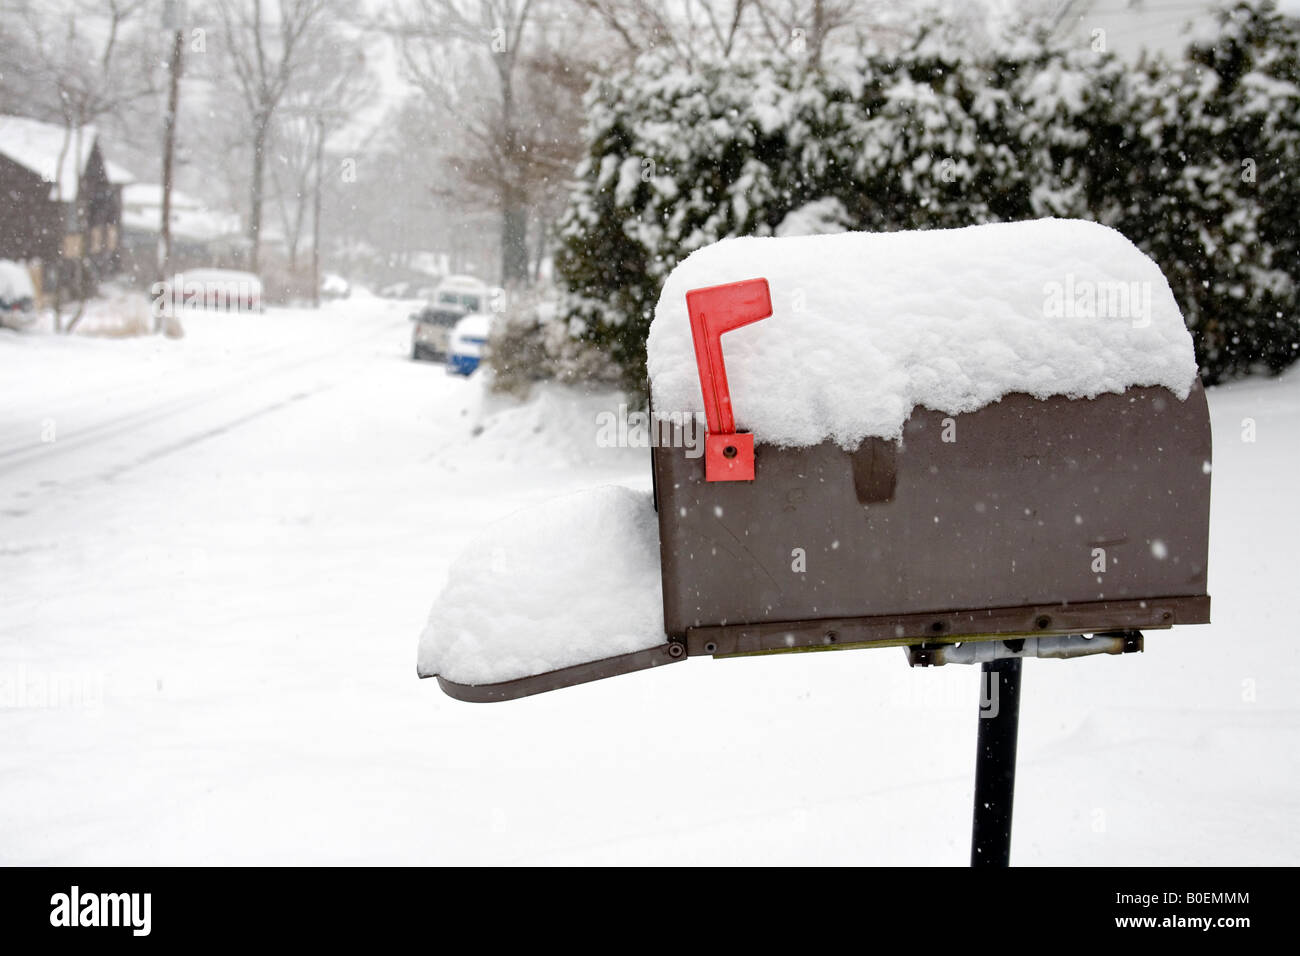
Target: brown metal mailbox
1026	517
1052	527
1016	529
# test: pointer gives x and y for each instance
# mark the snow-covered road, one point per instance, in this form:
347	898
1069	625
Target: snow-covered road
217	553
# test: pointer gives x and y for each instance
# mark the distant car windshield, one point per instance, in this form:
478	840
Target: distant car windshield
470	302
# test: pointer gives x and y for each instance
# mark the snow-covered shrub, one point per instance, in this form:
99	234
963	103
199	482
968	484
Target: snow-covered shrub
1194	161
935	136
1211	191
529	345
116	313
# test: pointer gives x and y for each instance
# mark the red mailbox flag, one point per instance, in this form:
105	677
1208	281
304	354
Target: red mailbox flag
728	456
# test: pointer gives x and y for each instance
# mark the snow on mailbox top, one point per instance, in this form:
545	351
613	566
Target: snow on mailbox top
866	326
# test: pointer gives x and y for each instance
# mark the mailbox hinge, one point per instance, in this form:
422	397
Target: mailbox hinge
1059	647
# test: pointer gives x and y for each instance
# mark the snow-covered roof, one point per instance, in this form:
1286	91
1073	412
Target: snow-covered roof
56	154
117	174
865	327
150	194
191	219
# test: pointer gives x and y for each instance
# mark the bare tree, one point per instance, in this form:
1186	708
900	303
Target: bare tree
692	30
323	97
86	58
645	24
553	144
803	26
446	47
417	210
266	47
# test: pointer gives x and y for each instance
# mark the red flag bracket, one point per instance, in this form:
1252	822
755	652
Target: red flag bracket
728	454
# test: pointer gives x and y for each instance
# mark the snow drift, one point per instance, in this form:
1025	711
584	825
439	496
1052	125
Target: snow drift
865	327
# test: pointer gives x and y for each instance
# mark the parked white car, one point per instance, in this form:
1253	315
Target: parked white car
221	290
334	286
17	294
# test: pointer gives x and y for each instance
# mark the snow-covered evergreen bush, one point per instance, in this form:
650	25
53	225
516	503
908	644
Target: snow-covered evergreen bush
1211	188
934	136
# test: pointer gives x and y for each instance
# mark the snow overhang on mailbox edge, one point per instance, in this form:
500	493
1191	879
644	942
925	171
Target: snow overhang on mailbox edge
867	326
568	581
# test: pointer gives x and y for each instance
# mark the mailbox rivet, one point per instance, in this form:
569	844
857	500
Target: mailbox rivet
710	647
729	451
1043	622
675	649
831	637
938	627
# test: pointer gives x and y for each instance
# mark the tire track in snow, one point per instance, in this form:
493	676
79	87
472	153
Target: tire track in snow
14	462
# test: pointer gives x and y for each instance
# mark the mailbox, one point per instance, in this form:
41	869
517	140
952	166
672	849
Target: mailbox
921	440
1048	471
978	445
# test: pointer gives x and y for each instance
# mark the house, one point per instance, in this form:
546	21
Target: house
202	237
60	203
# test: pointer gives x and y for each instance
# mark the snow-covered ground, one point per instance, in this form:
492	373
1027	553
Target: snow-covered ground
216	554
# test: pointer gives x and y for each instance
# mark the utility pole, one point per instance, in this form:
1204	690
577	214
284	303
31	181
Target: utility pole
315	217
172	16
